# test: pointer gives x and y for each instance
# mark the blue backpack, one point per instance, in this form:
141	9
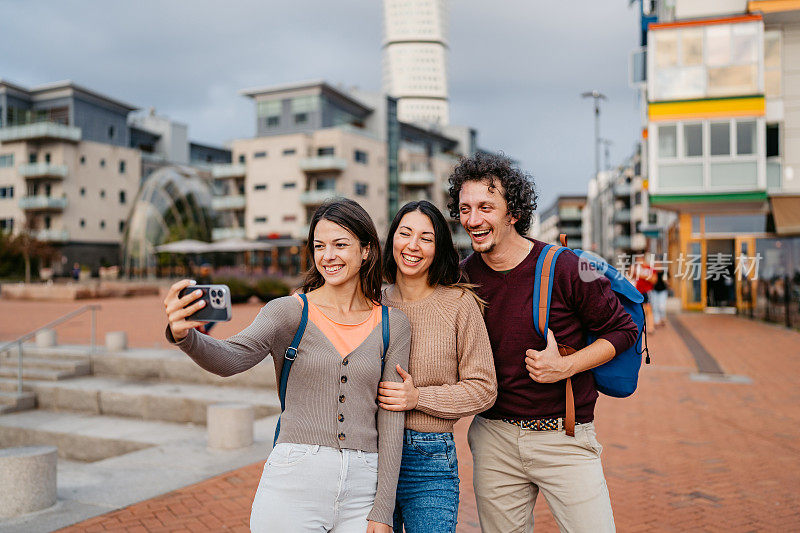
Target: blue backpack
619	376
291	354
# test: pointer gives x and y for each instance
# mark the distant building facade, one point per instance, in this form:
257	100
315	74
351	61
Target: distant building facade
565	216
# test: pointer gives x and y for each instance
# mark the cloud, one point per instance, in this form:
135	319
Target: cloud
516	68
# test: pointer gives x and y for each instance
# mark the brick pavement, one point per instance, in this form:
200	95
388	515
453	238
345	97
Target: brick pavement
681	454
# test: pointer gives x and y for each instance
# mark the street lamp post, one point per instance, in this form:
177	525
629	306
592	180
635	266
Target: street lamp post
596	96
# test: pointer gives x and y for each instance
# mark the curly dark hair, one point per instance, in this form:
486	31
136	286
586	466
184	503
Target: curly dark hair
518	188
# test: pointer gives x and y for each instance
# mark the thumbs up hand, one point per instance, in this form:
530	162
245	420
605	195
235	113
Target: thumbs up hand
394	396
548	365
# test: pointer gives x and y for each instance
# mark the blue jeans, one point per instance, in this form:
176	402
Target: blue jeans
427	490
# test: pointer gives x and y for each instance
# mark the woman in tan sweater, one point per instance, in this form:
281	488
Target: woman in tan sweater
450	370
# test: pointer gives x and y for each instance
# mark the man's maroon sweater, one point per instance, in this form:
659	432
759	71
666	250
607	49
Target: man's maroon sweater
577	307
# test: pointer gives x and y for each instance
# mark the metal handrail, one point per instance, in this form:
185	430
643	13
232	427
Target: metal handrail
72	314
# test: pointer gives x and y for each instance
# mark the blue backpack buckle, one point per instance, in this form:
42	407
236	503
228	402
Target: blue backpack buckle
293	351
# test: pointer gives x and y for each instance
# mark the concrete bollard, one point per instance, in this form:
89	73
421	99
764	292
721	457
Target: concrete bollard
46	338
27	479
230	425
116	341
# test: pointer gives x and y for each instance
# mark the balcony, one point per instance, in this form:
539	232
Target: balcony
224	203
622	216
417	178
43	170
318	197
323	163
235	170
218	234
40	131
51	235
40	202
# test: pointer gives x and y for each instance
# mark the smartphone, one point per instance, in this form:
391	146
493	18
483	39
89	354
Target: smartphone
218	303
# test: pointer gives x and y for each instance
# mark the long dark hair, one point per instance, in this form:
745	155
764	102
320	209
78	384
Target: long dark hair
352	217
444	269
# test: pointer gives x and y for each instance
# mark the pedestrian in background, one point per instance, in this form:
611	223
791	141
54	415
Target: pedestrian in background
658	298
337	457
450	369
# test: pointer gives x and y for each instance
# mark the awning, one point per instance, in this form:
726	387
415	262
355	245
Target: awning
238	245
786	211
186	246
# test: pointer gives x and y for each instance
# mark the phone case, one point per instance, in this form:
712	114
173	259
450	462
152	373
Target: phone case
218	303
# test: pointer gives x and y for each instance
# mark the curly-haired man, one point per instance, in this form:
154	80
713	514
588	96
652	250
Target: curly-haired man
520	445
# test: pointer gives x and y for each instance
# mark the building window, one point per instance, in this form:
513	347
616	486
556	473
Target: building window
773	140
6	224
361	189
47	222
300	118
667	141
772	64
273	122
102	163
122	197
241	158
260	220
259	155
32	157
289	185
111	132
720	133
47	157
83	191
326	150
260	187
102	193
121	226
305	104
102	224
6	160
289	151
745	137
693	140
83	223
360	157
271	108
6	192
122	167
290	218
83	160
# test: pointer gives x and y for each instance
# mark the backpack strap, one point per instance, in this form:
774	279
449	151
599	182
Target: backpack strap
288	359
385	331
542	293
563	238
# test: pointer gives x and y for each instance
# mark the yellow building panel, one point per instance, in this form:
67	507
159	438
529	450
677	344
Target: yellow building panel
772	6
706	108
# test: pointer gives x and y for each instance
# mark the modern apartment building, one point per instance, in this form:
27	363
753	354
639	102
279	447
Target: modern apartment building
415	59
67	172
315	142
722	137
72	162
565	216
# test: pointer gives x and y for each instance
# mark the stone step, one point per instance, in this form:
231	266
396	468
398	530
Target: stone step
76	366
10	385
8	371
68	351
11	401
148	400
175	366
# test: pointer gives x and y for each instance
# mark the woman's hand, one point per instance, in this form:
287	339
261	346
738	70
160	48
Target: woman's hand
394	396
176	314
378	527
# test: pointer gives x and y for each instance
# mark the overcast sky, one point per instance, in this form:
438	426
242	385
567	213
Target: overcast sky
516	67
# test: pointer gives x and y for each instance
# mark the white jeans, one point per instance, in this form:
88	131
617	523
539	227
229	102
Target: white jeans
658	300
308	488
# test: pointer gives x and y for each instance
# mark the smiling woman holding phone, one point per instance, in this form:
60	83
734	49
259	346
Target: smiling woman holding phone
336	460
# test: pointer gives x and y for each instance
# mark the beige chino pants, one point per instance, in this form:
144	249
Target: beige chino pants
511	466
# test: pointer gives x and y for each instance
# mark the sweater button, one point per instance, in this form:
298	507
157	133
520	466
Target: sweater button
345	361
342	436
341	398
341	417
343	379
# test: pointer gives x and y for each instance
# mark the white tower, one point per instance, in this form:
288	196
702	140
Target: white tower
415	59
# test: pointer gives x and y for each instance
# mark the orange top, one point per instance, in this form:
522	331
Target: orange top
344	337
